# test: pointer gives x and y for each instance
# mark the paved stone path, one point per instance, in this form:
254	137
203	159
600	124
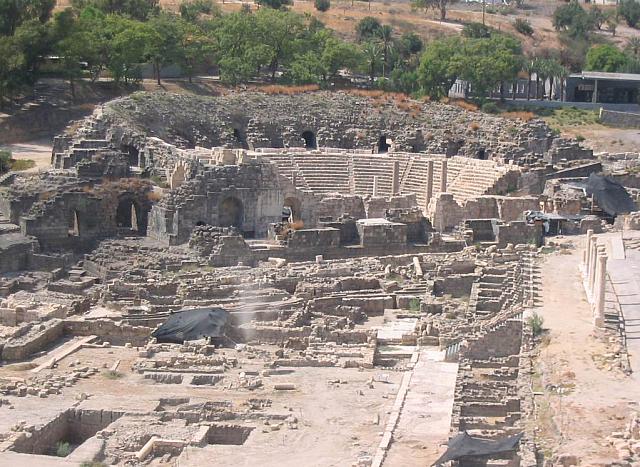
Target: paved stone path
624	273
425	418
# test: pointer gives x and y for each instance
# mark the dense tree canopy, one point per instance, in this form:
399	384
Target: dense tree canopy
605	58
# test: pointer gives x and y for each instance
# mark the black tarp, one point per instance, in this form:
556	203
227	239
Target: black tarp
189	325
610	195
465	445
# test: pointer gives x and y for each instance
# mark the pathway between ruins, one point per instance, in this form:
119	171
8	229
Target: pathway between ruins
425	419
624	270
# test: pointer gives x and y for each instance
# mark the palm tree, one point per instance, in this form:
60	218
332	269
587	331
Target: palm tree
562	72
386	39
633	46
371	52
529	67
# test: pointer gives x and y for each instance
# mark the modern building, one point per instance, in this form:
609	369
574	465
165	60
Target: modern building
604	88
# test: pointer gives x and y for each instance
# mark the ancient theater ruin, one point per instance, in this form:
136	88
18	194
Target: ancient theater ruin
316	279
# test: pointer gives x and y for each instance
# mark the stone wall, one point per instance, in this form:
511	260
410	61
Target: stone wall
620	119
245	196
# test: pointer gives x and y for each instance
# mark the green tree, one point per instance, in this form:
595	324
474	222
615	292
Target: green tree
194	49
128	47
11	62
630	11
338	55
633	47
279	33
605	57
573	19
164	39
140	10
476	31
13	13
368	28
439	5
410	44
71	50
275	4
5	161
483	63
386	42
372	57
322	5
240	56
438	68
192	10
597	16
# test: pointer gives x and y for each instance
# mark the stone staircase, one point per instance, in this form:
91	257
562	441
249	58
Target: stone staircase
365	168
470	178
88	140
414	179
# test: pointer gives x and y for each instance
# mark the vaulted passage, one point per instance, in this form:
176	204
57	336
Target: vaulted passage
383	145
294	206
128	217
241	138
74	224
309	140
231	213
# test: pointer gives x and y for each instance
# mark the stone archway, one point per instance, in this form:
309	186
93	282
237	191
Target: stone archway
74	224
129	217
383	145
133	155
309	140
240	137
295	206
231	213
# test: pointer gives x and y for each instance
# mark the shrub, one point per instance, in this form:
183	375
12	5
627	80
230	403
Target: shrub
476	31
112	374
62	449
630	11
414	304
535	322
322	5
490	108
523	26
5	160
22	164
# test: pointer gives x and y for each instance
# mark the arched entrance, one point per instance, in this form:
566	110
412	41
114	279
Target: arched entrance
132	154
309	140
240	137
294	206
74	224
128	217
231	213
482	154
383	145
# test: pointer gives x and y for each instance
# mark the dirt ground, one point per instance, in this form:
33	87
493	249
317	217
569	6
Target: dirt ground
579	402
38	151
601	138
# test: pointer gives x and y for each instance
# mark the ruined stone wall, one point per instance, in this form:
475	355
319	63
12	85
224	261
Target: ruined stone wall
246	196
336	119
75	220
502	341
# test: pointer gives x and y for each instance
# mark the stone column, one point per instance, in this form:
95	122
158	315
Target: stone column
599	250
395	179
585	259
591	268
601	281
443	177
428	189
375	185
